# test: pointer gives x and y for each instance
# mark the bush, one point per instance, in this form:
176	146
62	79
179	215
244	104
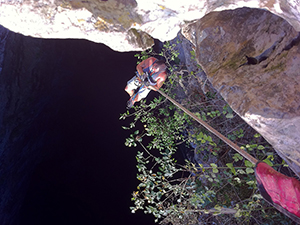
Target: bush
214	185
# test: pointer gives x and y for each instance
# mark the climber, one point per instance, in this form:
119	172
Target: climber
150	75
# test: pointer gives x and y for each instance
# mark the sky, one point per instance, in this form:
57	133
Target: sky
91	177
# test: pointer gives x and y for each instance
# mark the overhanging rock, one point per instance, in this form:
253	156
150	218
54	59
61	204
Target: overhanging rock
252	57
123	25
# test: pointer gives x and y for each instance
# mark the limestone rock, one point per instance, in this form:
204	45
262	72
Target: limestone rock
123	25
252	57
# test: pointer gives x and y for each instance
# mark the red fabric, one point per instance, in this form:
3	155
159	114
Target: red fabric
283	190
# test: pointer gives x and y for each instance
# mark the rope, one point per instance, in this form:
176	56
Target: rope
212	130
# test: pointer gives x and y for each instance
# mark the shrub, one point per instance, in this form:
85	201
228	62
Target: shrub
216	184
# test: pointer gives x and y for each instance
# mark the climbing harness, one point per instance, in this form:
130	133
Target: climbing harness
150	80
138	81
141	82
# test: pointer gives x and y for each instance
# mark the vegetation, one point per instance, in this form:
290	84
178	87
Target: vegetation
214	184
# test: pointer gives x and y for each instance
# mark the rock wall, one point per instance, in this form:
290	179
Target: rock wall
252	57
123	25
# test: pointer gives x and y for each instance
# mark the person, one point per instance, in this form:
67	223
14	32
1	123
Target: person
150	75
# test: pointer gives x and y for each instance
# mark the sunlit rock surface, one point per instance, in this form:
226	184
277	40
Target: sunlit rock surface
264	89
123	25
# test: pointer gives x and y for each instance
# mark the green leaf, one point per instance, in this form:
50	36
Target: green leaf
201	135
251	182
249	170
238	214
215	170
230	165
237	179
240	171
209	138
268	162
237	157
257	135
213	165
249	164
229	116
260	147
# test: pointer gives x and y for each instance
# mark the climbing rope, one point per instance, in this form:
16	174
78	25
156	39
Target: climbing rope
280	191
208	127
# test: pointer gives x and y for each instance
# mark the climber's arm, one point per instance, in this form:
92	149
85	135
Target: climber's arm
144	64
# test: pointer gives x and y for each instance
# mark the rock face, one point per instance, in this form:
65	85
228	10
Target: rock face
252	58
123	25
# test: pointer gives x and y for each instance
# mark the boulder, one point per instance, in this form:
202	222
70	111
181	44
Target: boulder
252	58
123	25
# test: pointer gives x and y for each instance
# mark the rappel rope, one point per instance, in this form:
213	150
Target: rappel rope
208	127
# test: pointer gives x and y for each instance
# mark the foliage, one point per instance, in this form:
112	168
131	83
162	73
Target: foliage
215	184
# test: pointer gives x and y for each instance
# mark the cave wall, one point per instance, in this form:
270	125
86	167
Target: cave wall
123	25
252	58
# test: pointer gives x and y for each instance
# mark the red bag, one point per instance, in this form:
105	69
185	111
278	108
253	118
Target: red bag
281	191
